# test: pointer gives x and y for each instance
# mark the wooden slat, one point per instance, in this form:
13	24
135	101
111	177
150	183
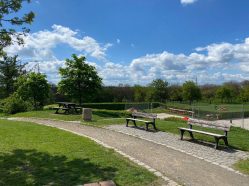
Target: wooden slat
209	124
203	132
138	120
145	115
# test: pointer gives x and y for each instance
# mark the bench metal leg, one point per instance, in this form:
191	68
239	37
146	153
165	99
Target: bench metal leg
134	123
127	121
191	135
182	132
56	112
216	142
147	126
225	140
154	126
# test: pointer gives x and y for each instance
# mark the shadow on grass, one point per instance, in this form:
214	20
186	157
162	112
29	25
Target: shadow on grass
30	167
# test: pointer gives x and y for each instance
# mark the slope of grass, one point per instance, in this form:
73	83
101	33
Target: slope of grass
237	137
243	166
31	154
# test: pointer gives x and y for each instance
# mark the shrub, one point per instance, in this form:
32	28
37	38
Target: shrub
14	104
114	106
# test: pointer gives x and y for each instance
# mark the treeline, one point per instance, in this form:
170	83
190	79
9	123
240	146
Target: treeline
160	91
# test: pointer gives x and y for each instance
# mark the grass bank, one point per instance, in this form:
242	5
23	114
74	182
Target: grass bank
38	155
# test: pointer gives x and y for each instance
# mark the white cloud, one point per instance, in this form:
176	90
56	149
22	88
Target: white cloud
186	2
40	45
214	63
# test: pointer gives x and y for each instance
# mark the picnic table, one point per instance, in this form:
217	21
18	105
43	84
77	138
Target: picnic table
67	107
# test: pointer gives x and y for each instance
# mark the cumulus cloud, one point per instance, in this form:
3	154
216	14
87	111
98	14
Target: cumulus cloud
40	45
186	2
214	63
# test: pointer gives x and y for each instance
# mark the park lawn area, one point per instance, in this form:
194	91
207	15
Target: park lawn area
32	154
243	166
238	138
100	117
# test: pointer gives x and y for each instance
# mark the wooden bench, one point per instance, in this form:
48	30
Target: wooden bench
136	115
181	111
208	124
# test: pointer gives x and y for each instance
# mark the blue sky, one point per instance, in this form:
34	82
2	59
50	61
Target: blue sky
136	41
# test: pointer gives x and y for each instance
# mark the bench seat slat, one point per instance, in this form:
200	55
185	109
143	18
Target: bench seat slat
203	132
133	119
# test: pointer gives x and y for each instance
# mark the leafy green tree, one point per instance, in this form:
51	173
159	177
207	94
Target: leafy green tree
78	79
33	87
191	91
175	93
10	70
139	93
159	90
224	93
244	94
8	12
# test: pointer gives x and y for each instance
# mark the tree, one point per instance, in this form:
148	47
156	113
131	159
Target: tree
139	93
224	93
9	35
191	91
33	87
208	92
78	79
175	93
244	94
10	70
159	90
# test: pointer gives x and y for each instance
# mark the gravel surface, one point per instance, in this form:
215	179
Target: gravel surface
225	157
178	166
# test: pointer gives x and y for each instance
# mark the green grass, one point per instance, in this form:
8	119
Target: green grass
243	166
32	154
99	118
237	137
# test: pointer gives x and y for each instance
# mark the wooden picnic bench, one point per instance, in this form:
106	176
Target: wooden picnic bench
181	111
66	107
136	115
208	124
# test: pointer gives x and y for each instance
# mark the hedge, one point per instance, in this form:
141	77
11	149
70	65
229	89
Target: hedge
115	106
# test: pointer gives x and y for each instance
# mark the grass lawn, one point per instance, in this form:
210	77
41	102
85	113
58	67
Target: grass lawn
238	138
243	166
32	154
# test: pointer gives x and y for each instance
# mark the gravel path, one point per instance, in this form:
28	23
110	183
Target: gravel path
181	167
225	157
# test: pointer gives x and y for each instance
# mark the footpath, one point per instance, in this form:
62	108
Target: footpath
171	164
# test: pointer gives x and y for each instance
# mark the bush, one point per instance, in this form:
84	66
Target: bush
113	106
14	104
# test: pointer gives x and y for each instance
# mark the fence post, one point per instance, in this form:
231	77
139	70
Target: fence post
243	115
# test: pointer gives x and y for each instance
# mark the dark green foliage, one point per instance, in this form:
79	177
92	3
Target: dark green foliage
191	91
15	104
79	80
175	93
9	35
34	88
113	106
10	70
158	91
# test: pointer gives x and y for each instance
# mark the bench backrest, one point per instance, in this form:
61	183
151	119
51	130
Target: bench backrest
144	115
210	124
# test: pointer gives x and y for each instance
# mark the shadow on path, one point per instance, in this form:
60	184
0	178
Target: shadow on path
31	167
